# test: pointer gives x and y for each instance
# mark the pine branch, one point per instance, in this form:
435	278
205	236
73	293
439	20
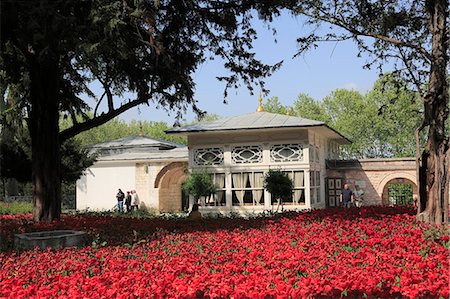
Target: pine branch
102	118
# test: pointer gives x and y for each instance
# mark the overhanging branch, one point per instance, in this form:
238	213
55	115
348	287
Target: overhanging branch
396	42
101	119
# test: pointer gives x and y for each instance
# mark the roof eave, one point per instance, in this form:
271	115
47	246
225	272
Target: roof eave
141	160
188	132
346	140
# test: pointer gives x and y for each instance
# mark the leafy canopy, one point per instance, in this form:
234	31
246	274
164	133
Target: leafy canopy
278	184
394	30
15	157
149	49
199	184
380	123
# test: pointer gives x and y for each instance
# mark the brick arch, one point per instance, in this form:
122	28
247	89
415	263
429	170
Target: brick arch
395	178
169	180
395	175
167	168
385	195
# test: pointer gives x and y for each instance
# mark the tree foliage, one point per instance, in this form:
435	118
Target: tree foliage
14	161
15	152
398	112
413	35
199	184
118	128
52	52
396	31
274	105
279	185
380	123
15	158
308	107
148	49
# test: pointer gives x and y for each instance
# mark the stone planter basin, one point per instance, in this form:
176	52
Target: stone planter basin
50	239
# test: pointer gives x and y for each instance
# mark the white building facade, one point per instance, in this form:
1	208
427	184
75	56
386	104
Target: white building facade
134	163
239	151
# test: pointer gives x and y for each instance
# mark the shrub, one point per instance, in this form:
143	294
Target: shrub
279	185
199	184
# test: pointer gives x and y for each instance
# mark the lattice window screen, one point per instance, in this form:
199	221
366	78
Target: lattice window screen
246	154
208	156
286	153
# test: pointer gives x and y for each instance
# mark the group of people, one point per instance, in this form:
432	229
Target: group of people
131	201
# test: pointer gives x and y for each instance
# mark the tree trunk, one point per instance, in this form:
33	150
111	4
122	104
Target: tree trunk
44	129
434	163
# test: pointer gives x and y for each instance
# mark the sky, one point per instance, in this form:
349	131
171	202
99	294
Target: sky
316	73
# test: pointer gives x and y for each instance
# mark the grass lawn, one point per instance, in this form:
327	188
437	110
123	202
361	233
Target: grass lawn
9	208
367	252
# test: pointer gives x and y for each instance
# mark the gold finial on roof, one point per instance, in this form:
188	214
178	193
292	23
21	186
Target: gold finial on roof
260	107
141	130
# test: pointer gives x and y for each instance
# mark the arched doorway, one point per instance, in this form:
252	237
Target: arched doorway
169	181
399	191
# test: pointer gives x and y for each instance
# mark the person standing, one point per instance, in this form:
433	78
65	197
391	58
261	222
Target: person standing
347	196
134	200
128	201
120	196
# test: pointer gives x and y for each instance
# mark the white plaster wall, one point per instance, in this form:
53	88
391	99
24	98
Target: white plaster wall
97	188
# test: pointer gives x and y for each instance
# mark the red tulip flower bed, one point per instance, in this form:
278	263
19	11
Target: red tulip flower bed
367	252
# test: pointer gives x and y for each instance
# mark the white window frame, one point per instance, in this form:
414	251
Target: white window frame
293	201
244	189
211	200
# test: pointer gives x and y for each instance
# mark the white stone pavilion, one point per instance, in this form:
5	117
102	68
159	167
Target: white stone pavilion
238	151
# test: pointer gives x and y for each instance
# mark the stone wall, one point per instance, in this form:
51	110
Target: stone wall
143	183
158	185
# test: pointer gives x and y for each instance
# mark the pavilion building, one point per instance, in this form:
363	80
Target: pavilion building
238	151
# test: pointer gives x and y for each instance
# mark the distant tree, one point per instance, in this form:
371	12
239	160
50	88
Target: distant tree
154	129
52	50
349	115
307	107
207	117
273	105
117	128
414	36
279	185
113	129
199	184
380	123
398	112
